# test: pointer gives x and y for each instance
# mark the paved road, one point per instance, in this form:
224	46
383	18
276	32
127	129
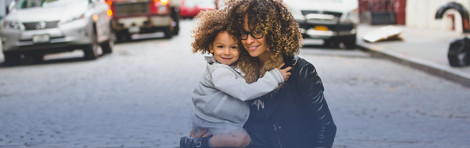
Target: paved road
377	103
139	96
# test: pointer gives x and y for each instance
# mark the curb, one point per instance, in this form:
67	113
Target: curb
430	68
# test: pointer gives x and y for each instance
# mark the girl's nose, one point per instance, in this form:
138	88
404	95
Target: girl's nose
226	51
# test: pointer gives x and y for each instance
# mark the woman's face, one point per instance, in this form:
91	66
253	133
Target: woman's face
225	48
254	47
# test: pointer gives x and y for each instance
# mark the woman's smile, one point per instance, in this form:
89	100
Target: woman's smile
252	47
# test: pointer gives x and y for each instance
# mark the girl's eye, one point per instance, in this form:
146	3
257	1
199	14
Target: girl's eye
220	46
234	47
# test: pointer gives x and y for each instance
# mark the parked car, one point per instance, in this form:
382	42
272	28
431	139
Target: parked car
190	8
143	16
334	21
36	27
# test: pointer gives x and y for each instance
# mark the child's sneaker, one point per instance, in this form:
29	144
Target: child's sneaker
189	142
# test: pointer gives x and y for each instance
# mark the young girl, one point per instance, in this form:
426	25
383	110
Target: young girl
219	97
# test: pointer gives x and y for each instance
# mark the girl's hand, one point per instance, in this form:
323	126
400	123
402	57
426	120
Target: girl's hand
285	72
200	134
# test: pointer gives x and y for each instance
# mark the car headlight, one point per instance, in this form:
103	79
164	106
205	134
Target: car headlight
299	17
352	16
9	24
71	19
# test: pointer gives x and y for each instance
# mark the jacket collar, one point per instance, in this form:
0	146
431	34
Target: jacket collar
210	60
290	60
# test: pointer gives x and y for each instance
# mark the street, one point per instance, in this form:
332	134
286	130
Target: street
140	96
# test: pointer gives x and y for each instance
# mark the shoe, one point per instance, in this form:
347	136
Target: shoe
189	142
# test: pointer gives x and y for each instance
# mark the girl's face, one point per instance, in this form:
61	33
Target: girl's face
225	48
254	42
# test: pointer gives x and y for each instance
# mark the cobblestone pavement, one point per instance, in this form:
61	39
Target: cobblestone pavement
139	96
377	103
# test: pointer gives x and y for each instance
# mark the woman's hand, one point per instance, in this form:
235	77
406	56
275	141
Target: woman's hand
200	134
285	72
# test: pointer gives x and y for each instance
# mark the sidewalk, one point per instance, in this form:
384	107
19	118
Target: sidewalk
425	50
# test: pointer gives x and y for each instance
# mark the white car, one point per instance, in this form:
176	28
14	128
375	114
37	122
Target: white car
334	21
36	27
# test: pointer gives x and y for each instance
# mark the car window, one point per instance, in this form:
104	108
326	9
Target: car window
25	4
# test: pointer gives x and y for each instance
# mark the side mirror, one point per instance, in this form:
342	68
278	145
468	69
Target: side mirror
11	6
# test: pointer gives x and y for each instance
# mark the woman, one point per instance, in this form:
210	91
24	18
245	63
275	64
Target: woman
295	115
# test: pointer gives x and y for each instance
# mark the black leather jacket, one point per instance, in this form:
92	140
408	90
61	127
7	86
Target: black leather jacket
297	116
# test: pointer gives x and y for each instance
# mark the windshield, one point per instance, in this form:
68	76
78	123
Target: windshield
25	4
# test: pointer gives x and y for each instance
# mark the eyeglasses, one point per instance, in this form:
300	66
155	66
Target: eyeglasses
256	34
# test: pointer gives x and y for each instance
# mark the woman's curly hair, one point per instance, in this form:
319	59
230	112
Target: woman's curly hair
276	22
211	23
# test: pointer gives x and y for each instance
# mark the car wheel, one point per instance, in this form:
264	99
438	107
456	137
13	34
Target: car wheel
91	51
350	42
123	37
176	30
12	58
107	46
168	33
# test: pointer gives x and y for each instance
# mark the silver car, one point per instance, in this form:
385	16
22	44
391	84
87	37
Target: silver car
36	27
334	21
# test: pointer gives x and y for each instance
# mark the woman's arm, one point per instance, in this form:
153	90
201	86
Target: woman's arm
323	129
226	81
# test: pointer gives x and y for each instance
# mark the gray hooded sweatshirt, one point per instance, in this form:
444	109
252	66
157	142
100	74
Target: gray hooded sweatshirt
221	93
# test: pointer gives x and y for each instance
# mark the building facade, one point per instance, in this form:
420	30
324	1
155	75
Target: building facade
420	14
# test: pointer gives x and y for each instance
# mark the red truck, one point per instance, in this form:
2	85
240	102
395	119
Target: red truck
143	16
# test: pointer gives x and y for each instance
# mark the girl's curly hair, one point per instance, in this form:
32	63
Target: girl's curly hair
211	23
276	22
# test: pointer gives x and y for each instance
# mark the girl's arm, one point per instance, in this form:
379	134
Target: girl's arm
226	81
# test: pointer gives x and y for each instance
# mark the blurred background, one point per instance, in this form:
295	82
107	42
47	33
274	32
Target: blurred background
120	73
